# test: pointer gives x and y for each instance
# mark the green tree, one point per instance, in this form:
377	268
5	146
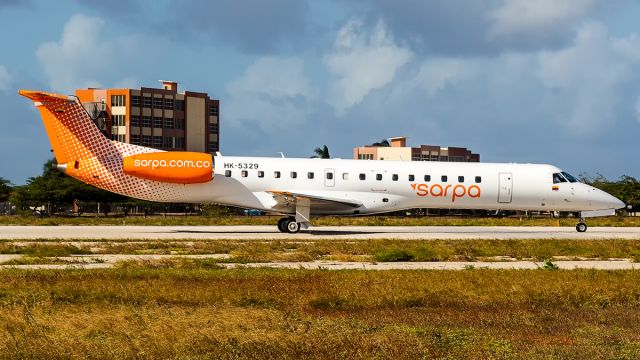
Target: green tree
322	152
55	191
382	143
6	188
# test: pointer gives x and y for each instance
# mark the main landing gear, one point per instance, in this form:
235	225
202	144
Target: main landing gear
581	226
288	225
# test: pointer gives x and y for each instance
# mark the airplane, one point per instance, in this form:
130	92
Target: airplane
301	188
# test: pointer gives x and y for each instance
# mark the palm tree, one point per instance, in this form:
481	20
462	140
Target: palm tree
322	152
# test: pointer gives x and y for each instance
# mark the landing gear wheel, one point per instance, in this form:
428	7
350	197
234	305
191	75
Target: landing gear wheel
292	226
281	224
581	227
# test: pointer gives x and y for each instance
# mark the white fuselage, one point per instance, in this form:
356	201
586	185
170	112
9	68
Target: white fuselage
382	186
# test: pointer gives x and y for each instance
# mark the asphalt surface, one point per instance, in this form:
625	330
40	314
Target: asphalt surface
325	232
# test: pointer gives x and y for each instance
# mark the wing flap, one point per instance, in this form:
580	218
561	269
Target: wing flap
288	199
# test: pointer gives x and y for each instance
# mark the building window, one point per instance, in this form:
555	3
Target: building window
135	121
157	141
135	139
329	176
394	177
276	174
118	100
460	179
412	178
167	142
379	177
179	124
345	176
478	179
180	105
146	101
146	121
310	175
168	123
146	140
157	103
443	178
157	122
260	174
179	143
135	101
244	173
294	174
227	173
427	178
212	147
363	177
213	110
213	128
168	104
118	120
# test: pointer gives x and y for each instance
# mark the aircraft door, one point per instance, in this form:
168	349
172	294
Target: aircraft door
505	192
329	177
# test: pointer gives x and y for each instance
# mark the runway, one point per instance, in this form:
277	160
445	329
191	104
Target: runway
325	232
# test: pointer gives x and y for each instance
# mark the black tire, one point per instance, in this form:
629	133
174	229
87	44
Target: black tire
281	224
581	227
292	226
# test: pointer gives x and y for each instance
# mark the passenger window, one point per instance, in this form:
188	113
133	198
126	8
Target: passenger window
310	175
460	179
412	178
427	178
276	174
329	176
443	178
478	179
363	176
345	176
244	173
378	177
394	177
294	174
260	174
227	173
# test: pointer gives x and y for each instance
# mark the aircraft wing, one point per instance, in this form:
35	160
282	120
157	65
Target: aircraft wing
287	199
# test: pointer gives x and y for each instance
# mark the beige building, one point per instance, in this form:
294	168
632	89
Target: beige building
159	118
398	150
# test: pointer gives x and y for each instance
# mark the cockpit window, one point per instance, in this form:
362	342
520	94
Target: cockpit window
569	177
558	178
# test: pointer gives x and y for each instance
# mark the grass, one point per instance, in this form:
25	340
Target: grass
380	250
200	312
323	221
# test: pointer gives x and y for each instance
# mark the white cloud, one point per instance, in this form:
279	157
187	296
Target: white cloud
435	74
531	16
362	62
273	92
82	55
588	77
5	78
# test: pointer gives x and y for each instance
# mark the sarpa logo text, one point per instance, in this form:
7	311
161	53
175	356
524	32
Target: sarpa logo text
156	163
437	190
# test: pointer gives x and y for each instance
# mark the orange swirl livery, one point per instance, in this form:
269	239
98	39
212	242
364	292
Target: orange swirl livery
301	188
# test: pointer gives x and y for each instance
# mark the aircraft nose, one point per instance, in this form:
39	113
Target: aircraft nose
609	201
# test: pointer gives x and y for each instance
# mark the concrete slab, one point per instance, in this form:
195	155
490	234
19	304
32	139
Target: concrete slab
326	232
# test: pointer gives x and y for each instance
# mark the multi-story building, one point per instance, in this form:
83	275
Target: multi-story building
158	118
398	150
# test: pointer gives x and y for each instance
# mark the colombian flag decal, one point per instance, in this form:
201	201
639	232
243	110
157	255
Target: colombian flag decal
555	188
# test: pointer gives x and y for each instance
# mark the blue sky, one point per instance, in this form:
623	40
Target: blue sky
516	80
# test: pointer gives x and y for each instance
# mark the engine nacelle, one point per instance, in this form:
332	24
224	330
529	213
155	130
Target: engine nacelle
174	167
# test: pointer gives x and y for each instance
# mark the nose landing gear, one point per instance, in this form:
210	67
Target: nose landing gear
581	226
